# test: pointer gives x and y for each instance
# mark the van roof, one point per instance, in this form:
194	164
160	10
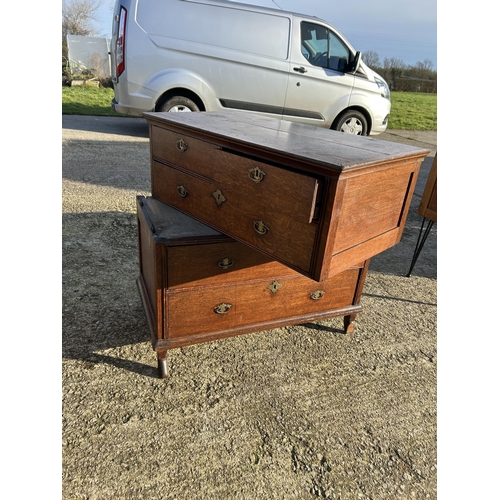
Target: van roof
247	6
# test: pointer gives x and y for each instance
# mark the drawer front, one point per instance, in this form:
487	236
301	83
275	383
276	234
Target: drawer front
205	310
183	151
229	207
273	189
218	264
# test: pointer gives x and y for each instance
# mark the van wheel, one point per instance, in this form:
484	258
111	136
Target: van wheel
179	104
351	122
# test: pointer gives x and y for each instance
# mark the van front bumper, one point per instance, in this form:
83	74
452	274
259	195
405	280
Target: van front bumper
379	127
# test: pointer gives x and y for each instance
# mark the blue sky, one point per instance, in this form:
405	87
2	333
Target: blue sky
400	29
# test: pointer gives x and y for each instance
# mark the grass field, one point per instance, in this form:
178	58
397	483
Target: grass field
410	110
413	111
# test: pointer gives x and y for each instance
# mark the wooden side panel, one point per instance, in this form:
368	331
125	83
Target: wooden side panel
364	251
372	205
193	313
152	275
147	259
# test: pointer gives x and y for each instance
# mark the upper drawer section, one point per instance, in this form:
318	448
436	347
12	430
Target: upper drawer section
284	191
316	200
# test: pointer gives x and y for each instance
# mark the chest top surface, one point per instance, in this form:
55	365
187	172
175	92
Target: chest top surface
314	146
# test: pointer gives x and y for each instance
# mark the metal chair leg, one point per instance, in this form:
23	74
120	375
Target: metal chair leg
420	243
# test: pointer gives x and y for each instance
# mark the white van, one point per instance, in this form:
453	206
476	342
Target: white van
215	55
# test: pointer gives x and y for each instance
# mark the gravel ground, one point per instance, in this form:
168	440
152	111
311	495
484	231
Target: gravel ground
301	412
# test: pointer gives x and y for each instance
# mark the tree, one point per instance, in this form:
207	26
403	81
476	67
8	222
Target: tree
371	59
394	64
426	65
424	69
393	69
77	19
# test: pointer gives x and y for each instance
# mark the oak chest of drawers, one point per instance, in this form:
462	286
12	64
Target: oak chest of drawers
316	200
197	284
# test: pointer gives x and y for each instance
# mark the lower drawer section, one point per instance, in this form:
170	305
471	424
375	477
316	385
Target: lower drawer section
201	312
189	299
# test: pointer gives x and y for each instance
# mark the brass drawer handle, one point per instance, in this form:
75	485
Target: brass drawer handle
260	227
317	294
226	263
222	308
256	174
182	191
181	145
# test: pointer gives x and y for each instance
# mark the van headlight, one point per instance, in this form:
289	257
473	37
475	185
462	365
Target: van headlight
383	87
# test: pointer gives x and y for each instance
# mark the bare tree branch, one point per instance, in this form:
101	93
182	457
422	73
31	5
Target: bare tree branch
78	17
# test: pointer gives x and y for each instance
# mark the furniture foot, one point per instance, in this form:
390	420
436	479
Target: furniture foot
162	364
349	323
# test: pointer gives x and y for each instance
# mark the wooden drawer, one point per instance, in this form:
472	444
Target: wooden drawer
192	266
183	151
325	200
269	187
257	301
198	285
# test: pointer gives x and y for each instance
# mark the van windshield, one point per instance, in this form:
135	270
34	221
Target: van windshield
321	47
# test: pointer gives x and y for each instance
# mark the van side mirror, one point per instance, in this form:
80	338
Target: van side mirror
355	62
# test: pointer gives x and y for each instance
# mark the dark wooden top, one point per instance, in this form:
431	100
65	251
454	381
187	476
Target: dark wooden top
172	227
335	151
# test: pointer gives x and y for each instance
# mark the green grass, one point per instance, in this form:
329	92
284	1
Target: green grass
413	111
410	110
87	100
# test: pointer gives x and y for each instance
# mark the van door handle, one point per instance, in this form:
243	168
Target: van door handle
300	69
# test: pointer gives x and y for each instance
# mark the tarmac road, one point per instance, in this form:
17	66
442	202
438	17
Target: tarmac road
302	412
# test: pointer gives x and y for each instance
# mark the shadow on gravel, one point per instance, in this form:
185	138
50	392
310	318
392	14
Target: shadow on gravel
142	369
101	304
323	328
397	259
375	296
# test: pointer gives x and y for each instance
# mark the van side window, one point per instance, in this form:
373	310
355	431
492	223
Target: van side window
321	47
